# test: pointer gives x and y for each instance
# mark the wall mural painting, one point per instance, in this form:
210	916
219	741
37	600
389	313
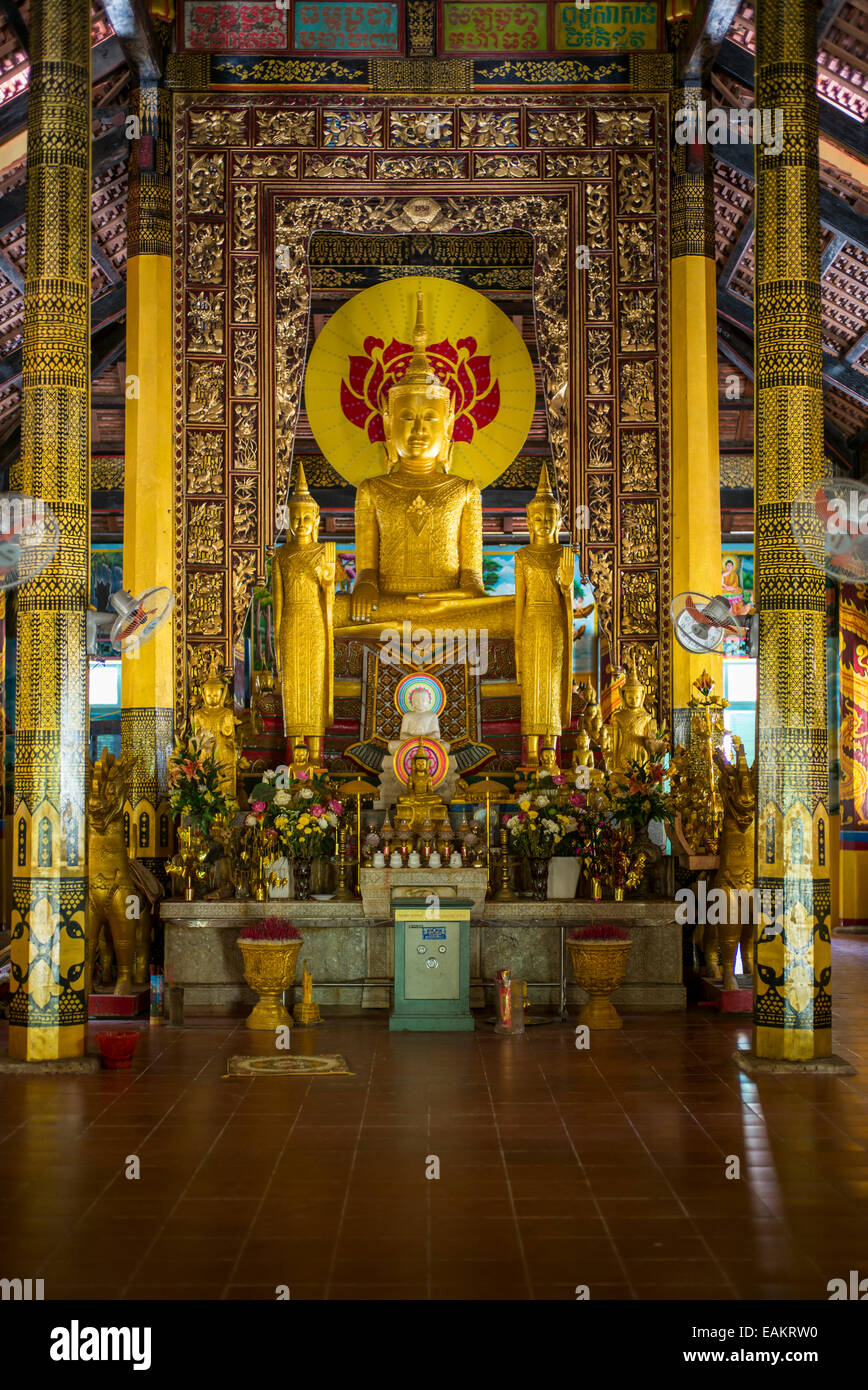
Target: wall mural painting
568	170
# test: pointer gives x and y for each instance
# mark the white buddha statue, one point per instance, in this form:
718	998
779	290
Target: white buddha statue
419	721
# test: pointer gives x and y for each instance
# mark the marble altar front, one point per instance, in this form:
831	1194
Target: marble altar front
351	953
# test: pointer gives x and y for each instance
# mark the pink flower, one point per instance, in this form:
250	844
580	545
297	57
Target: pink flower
317	810
258	808
559	779
302	774
336	807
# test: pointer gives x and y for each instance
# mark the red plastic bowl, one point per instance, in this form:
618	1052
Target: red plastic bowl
116	1049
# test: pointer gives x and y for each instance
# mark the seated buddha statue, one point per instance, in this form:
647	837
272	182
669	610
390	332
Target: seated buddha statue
631	724
419	721
419	530
420	802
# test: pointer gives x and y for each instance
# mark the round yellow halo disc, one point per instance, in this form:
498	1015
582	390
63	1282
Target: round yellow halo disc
367	325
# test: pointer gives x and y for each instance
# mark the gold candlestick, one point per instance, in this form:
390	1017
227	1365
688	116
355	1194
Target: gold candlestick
504	893
343	894
361	790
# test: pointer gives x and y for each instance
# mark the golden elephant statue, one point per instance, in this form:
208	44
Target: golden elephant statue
121	891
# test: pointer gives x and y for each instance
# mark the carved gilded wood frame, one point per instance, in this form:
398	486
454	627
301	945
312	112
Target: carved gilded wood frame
252	182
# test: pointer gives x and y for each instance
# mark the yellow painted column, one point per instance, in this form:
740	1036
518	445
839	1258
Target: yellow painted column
695	438
853	752
147	691
48	1004
792	998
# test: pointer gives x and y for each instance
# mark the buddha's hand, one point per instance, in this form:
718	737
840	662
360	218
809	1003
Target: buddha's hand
364	596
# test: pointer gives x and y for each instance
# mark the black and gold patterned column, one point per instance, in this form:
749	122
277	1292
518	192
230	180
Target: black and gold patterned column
695	429
792	1004
48	1004
147	686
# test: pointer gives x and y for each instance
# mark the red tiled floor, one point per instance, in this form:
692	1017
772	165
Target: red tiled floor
558	1168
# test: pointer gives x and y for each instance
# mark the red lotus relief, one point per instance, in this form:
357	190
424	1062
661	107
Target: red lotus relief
467	374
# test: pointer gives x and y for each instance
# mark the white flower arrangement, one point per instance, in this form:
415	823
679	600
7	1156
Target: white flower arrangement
307	793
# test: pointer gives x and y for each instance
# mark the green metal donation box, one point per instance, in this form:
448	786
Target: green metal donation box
432	965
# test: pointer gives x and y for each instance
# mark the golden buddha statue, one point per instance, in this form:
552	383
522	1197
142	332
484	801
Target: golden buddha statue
303	585
420	802
592	716
418	530
544	624
582	753
631	724
214	720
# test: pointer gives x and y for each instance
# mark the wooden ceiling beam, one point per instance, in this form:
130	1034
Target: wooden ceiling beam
107	150
835	214
741	244
137	37
708	27
832	252
16	23
105	310
837	372
840	128
107	56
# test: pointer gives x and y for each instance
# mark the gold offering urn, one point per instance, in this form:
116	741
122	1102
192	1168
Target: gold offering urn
270	950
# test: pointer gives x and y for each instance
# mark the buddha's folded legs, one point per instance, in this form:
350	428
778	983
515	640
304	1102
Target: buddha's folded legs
494	615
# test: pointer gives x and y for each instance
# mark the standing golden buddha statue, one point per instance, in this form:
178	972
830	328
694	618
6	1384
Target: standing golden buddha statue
419	530
303	586
544	625
632	725
214	720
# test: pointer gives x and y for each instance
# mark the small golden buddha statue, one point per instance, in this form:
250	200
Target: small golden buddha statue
420	802
631	724
303	586
547	759
592	716
582	753
213	719
418	530
300	759
544	624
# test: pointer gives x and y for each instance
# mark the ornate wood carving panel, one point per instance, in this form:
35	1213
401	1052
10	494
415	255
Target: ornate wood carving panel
252	183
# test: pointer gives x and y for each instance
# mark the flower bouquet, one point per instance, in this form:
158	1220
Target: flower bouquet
195	792
302	819
534	832
637	796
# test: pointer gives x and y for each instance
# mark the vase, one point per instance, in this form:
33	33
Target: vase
539	879
301	876
596	890
277	878
563	876
599	968
269	969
